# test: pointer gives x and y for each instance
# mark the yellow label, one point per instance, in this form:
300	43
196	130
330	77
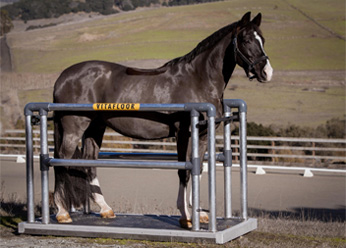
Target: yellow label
116	106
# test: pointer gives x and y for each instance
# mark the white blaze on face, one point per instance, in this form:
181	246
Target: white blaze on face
267	68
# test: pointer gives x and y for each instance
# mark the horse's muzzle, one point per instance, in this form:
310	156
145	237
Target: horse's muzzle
267	72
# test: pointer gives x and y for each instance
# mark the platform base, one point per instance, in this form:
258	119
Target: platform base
140	227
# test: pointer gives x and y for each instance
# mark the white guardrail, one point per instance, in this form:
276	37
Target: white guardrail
264	153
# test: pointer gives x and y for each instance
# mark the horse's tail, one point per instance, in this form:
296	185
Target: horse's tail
72	184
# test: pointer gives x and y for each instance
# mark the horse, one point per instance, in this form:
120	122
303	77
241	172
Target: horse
200	76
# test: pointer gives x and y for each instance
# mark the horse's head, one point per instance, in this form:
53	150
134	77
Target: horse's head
249	51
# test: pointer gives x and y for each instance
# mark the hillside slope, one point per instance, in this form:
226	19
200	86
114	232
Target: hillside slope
293	39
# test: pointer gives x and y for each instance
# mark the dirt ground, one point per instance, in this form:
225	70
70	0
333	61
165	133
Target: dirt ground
292	211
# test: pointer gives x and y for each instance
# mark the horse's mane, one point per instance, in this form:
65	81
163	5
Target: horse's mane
204	45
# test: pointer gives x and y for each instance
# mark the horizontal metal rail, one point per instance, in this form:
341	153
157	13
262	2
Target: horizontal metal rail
173	156
120	164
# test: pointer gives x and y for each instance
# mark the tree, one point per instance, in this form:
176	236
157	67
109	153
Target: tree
5	22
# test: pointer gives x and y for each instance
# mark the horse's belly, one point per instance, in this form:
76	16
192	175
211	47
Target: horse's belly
140	128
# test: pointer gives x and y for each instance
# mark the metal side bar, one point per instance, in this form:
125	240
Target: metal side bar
242	107
44	168
212	174
29	169
196	163
227	164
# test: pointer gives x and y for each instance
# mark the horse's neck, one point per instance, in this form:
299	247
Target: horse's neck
220	63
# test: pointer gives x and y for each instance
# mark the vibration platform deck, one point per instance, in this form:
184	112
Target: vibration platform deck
140	227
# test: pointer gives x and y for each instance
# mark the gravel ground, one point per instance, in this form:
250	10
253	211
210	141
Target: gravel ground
271	233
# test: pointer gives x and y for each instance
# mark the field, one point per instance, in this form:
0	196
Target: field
302	40
293	42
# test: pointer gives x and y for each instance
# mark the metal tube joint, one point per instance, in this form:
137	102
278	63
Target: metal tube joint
206	107
36	106
236	103
44	162
196	169
227	158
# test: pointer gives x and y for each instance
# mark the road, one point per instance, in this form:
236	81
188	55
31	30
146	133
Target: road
155	191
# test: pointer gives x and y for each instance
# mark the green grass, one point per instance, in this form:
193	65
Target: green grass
288	99
282	104
10	222
293	41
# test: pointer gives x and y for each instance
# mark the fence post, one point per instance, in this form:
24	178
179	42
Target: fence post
236	150
313	152
273	151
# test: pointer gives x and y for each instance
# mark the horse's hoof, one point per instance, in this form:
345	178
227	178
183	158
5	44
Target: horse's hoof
108	214
204	219
184	223
64	218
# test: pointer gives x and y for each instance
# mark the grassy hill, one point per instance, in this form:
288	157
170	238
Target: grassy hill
294	42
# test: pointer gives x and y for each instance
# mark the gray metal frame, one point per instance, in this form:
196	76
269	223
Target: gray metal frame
40	227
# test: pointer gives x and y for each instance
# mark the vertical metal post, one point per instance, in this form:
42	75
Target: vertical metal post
196	163
86	204
29	169
243	163
227	164
212	174
44	168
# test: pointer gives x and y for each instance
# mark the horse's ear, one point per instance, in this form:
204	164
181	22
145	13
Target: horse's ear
245	19
257	20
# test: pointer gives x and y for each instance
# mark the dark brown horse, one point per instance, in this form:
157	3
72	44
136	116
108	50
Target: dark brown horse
199	76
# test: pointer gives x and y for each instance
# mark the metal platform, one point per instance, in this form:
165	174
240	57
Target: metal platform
147	227
143	227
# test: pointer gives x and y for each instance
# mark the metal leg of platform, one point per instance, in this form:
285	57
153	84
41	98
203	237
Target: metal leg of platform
243	164
44	168
227	164
29	169
212	174
195	170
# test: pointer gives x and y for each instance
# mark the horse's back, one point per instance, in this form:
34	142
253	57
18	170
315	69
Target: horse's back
85	82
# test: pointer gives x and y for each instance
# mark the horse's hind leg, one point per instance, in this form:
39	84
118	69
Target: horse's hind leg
68	132
92	143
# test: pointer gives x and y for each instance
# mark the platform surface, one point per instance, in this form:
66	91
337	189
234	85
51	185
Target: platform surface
143	227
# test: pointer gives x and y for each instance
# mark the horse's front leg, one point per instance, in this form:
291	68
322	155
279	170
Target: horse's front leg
185	220
182	203
184	154
204	218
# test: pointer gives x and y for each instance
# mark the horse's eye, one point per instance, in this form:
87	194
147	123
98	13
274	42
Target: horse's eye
246	42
